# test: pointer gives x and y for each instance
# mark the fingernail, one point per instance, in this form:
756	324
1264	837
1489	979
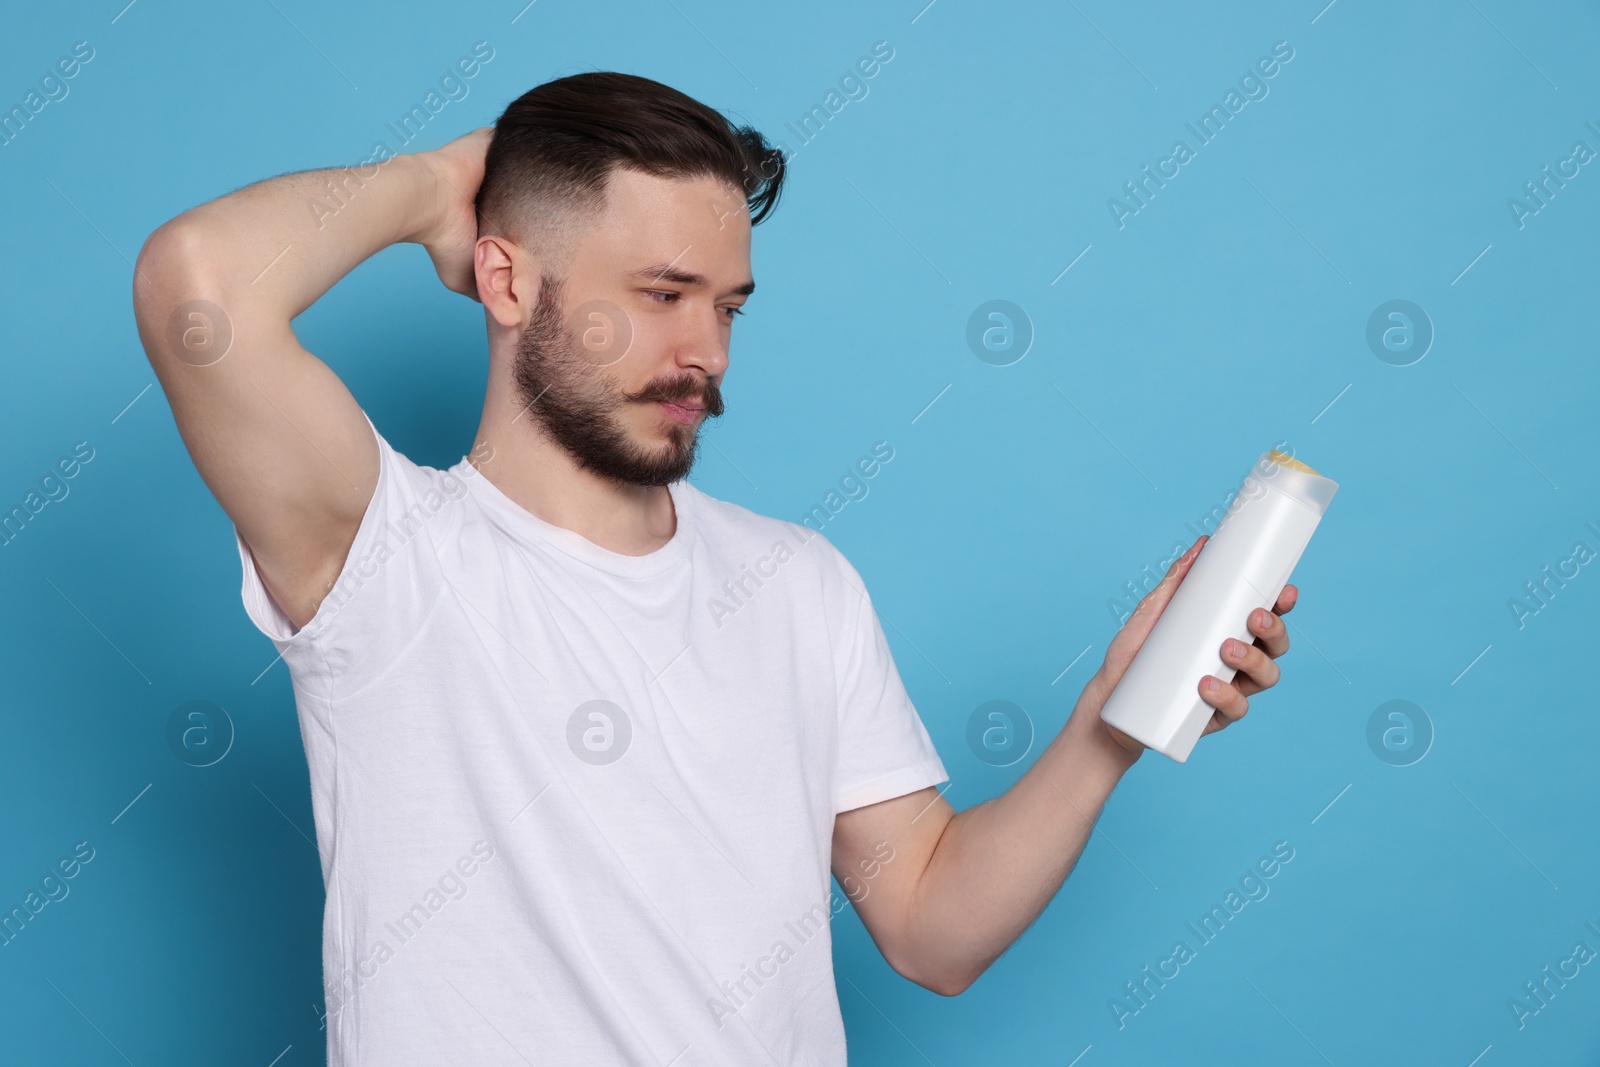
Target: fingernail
1209	685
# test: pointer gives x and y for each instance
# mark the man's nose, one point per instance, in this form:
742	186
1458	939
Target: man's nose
703	343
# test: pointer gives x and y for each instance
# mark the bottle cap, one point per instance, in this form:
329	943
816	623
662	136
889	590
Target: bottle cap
1297	481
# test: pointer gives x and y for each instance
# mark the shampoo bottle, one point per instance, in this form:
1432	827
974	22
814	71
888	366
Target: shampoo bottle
1244	566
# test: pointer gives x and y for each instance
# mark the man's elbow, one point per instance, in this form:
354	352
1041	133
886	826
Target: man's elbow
945	980
175	264
950	986
168	262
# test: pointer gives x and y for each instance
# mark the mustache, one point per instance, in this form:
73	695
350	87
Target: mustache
686	391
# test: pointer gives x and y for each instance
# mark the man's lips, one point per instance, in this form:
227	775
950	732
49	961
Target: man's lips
681	412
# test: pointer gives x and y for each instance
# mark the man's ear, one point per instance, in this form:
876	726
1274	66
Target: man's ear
508	281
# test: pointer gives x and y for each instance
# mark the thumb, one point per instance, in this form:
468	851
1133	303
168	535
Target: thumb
1131	638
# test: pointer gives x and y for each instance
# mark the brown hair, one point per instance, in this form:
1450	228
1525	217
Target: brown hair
554	147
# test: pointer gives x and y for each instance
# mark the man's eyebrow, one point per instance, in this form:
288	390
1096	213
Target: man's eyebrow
667	272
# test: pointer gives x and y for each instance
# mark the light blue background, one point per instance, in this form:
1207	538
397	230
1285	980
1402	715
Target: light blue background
1223	318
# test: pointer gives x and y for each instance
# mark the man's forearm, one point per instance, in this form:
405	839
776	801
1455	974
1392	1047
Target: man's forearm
275	247
997	865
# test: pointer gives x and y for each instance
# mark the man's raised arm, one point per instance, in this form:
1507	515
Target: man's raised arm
272	430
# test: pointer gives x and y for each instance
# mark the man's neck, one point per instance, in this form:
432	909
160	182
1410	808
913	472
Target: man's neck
537	474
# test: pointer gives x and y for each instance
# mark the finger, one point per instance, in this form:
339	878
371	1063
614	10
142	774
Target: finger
1256	671
1272	633
1231	704
1287	600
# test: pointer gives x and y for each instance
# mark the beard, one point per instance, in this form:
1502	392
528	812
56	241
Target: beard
576	404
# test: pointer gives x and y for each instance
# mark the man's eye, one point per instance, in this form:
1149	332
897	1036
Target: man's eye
668	297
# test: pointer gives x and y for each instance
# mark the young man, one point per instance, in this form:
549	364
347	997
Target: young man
584	741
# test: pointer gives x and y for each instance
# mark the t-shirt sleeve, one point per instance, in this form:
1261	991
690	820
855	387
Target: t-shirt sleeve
884	749
385	590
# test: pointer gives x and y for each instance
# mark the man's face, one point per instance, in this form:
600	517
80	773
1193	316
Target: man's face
623	357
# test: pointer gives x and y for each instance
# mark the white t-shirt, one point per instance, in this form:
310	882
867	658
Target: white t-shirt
574	806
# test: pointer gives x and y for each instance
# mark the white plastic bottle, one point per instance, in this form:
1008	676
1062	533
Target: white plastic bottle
1244	566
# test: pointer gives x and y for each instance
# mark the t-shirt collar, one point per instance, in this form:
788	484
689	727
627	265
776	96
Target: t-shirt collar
524	524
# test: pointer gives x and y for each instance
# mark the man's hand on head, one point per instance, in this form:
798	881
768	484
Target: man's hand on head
451	234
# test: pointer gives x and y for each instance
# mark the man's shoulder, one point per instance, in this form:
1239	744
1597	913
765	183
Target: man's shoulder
725	523
414	482
722	519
